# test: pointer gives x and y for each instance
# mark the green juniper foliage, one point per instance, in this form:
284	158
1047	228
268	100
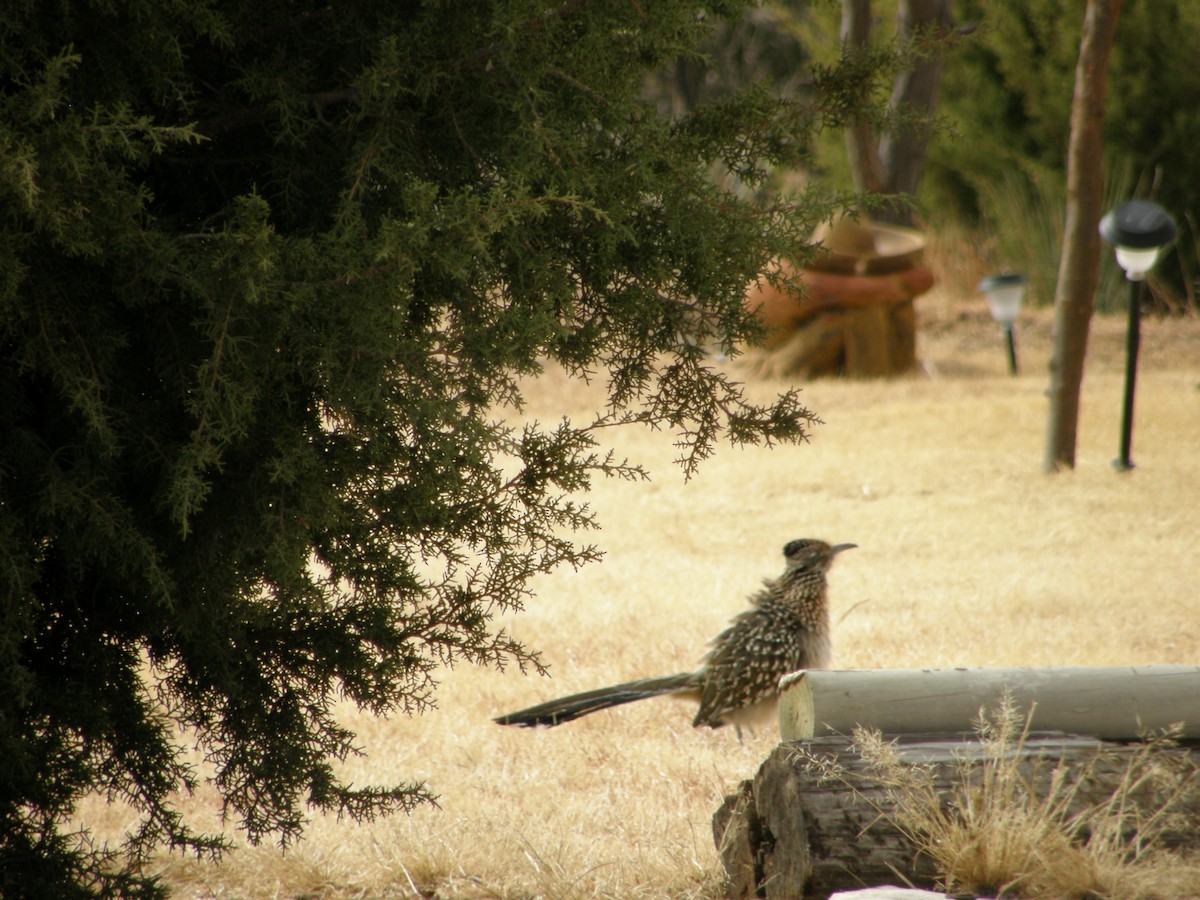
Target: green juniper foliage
267	272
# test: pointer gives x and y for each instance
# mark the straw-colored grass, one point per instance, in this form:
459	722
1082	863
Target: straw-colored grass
968	556
1031	827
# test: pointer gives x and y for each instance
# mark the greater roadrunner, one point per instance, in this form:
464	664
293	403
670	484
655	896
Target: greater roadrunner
786	629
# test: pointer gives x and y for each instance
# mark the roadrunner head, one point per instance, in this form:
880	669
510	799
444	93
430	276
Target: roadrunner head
807	553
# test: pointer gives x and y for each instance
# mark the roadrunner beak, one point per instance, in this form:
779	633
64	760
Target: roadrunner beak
838	548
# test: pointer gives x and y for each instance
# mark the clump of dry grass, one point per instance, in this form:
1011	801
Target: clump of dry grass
1009	829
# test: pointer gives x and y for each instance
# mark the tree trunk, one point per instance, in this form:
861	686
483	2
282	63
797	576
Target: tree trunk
903	149
861	144
892	163
1078	270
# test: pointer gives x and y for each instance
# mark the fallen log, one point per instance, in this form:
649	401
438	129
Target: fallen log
816	818
1118	702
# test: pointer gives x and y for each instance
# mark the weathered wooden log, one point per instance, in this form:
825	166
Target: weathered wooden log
816	818
1119	703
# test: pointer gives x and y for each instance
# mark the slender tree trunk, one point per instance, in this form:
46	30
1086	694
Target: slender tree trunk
892	163
916	89
1078	270
861	144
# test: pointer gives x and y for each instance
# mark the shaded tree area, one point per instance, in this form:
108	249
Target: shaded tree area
268	272
888	84
1001	116
889	160
1008	92
766	46
892	52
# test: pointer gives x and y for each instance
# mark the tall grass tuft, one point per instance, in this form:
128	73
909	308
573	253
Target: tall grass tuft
1026	214
1009	830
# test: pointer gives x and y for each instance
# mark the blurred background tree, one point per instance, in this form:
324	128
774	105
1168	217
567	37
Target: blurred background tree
1007	94
996	162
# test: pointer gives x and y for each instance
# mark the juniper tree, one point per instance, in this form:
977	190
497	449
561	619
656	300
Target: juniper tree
269	272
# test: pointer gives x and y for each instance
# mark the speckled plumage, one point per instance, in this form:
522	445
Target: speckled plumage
785	629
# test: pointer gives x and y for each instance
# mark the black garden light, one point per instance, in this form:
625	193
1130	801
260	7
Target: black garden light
1004	294
1138	231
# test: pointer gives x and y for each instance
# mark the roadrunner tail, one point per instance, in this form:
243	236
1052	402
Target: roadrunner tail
564	709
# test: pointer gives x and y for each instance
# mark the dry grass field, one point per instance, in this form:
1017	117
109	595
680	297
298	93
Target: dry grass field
968	556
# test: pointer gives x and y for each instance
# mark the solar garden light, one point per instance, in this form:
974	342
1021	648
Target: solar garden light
1138	231
1004	294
